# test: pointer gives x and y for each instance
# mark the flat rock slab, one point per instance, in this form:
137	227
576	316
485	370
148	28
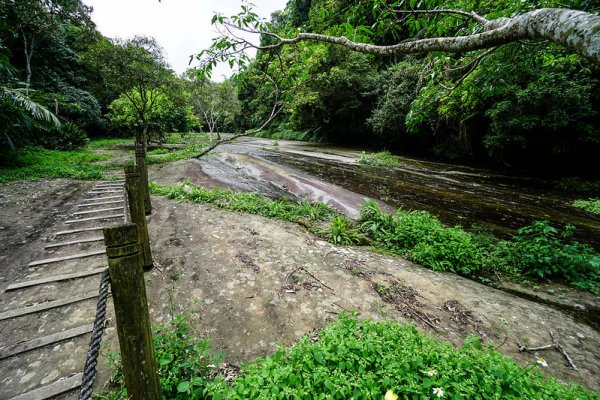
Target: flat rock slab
252	284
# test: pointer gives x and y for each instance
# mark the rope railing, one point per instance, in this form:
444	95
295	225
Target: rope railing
89	371
134	218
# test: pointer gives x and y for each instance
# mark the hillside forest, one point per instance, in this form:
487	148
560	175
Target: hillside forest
529	105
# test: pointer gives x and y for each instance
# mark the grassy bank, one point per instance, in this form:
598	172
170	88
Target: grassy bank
351	358
591	206
36	163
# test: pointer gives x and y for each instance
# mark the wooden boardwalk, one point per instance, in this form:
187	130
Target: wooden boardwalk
46	317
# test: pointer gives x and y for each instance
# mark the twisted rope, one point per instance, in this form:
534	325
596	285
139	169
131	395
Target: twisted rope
89	372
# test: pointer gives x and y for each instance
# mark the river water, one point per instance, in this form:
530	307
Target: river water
457	195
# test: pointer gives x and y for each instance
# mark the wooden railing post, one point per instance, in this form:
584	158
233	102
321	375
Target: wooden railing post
140	161
134	188
131	310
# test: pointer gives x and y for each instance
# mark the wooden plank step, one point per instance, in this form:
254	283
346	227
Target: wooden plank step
46	306
95	200
52	390
96	228
73	221
56	278
59	244
104	191
64	258
96	211
32	344
102	203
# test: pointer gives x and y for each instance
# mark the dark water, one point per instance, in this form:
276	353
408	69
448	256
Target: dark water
456	195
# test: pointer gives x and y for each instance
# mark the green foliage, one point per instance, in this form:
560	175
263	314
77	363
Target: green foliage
542	251
380	159
183	362
364	359
164	116
246	202
68	137
422	237
591	206
342	232
538	251
36	163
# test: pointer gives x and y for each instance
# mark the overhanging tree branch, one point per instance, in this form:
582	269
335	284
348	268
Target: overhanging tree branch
577	31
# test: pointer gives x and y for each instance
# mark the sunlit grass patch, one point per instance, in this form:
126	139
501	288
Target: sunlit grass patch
380	159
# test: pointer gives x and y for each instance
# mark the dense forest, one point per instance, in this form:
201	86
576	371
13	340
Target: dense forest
530	105
63	82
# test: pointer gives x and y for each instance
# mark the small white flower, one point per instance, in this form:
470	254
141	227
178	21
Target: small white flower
542	362
389	395
439	392
431	372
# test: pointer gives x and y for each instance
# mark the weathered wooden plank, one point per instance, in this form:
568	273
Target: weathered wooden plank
102	203
97	211
54	389
104	191
96	199
32	344
46	306
95	228
79	241
56	278
69	257
73	221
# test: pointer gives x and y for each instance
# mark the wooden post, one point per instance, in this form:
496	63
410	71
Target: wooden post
131	310
136	207
140	161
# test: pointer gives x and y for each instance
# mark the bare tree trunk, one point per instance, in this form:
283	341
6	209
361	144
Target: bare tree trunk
28	50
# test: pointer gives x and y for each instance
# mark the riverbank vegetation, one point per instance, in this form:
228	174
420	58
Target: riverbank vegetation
591	206
350	358
538	252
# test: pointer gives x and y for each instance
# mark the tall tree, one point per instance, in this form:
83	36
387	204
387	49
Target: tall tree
216	104
137	69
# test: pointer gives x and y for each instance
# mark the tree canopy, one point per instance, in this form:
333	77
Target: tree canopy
507	81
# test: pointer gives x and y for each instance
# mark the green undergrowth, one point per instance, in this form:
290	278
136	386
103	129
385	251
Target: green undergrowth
380	159
37	163
538	251
352	359
289	134
591	206
161	156
108	143
252	203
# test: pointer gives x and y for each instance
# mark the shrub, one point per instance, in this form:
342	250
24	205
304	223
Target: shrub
183	363
591	206
364	359
380	159
542	251
342	232
423	238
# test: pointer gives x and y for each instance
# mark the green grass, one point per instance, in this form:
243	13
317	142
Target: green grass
252	203
289	134
358	359
380	159
591	206
108	143
36	163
